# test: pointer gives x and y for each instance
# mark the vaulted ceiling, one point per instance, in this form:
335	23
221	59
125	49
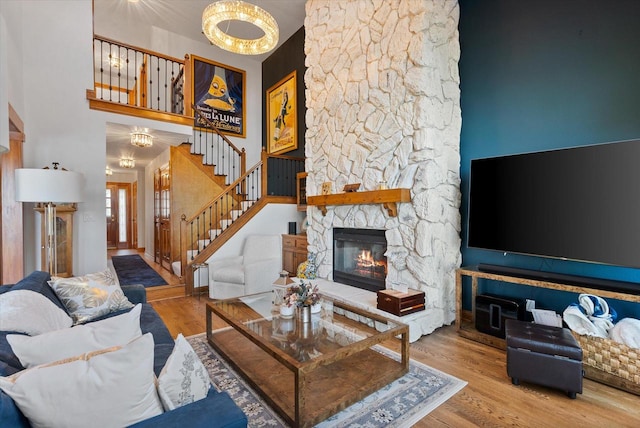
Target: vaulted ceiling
181	17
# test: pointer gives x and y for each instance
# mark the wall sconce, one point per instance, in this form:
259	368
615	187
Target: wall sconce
141	139
127	163
108	170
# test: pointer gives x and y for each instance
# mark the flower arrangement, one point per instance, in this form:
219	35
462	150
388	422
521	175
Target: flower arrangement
303	294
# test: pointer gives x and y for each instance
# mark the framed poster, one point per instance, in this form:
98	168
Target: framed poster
219	95
282	120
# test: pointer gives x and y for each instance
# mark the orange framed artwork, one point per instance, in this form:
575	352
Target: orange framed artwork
282	120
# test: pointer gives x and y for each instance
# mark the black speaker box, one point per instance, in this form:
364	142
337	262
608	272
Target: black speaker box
293	226
492	311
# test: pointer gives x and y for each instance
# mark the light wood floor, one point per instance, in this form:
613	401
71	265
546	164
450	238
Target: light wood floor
489	399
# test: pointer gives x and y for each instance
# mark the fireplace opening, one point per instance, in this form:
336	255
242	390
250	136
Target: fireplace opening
358	258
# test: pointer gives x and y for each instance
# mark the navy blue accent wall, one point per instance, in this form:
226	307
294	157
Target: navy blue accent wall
540	75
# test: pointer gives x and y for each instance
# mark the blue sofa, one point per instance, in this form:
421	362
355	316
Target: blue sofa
216	410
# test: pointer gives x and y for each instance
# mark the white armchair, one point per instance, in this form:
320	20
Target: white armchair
252	272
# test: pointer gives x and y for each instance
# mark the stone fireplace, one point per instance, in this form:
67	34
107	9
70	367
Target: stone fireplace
383	106
359	258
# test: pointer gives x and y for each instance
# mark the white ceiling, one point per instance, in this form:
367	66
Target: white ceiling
119	145
182	17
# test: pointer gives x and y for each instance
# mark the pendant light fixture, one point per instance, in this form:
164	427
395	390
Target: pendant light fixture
127	162
238	10
141	139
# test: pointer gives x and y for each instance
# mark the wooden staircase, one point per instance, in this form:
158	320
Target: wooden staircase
215	223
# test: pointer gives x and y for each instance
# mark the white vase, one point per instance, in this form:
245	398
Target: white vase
286	311
315	308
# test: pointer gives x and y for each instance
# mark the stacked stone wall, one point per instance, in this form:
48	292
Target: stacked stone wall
383	106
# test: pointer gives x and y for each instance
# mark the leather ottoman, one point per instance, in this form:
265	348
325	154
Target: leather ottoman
544	355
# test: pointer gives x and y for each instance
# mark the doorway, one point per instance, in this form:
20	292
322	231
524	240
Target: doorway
119	221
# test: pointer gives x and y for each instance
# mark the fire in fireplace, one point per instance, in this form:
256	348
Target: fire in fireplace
358	258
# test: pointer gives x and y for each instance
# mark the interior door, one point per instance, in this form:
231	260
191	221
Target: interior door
118	202
112	215
11	230
134	215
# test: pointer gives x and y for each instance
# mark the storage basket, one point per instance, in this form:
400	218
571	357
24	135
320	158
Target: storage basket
610	362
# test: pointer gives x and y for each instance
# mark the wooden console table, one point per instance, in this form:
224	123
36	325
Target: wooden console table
465	320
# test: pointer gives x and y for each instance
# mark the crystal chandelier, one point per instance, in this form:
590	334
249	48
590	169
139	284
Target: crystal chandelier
127	163
108	170
141	139
238	10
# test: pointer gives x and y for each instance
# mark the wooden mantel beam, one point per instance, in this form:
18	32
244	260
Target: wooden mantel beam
387	197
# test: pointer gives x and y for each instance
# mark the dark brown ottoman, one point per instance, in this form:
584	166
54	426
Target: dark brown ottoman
544	355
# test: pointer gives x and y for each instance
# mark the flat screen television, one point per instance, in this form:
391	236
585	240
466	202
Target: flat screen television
579	203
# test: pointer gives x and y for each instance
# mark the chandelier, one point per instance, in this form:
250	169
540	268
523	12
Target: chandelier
238	10
108	170
141	139
127	163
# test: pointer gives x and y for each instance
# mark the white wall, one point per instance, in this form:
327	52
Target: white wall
271	220
56	71
45	77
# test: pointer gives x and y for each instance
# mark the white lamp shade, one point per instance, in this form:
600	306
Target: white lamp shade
48	185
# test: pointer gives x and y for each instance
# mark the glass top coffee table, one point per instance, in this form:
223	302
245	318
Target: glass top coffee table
307	371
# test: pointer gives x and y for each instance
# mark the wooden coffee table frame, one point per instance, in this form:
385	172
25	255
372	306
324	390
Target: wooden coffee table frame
312	403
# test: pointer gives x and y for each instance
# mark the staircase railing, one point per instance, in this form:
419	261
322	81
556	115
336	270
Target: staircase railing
217	150
214	220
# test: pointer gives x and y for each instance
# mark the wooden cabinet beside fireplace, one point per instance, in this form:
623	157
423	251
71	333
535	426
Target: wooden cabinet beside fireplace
294	252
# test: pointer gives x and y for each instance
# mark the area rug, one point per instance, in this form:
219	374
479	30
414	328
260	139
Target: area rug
132	269
399	404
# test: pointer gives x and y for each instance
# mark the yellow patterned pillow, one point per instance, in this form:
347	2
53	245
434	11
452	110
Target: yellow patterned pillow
90	296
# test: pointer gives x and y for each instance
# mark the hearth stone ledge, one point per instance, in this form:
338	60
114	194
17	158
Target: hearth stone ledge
420	323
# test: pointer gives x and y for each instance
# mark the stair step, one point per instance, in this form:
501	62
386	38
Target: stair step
225	223
191	254
246	204
202	243
234	214
213	233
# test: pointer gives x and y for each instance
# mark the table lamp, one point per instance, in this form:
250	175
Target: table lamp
49	186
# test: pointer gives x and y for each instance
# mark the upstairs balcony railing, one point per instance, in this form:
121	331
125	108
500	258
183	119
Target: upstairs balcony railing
135	78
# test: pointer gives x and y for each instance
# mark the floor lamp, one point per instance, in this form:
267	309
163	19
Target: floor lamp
49	186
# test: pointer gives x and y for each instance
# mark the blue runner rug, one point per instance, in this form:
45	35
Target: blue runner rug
134	270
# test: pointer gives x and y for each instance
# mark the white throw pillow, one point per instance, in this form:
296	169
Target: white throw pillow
90	296
183	379
114	387
69	342
26	311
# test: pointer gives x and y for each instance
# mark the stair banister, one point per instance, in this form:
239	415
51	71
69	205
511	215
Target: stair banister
186	224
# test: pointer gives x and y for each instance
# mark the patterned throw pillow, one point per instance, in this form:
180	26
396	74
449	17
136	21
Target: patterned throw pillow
183	379
90	296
